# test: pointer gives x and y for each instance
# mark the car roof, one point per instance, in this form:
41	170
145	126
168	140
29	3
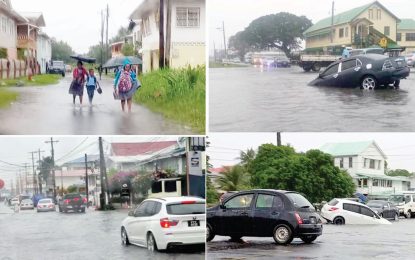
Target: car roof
349	201
383	201
177	199
270	190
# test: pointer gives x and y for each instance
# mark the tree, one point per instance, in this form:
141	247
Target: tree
312	174
212	195
399	172
234	178
95	52
44	170
247	157
239	42
61	51
121	34
128	49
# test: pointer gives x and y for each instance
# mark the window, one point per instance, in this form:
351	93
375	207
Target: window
341	162
186	209
362	183
350	162
387	30
341	32
407	199
370	14
410	37
379	162
3	24
350	64
351	207
367	212
389	183
375	183
331	70
364	163
170	186
269	201
241	201
399	37
379	14
187	17
372	164
143	209
156	187
346	32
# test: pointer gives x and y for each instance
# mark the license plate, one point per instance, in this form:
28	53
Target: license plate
194	223
313	220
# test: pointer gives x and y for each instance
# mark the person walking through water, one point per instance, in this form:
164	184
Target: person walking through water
77	85
125	85
91	85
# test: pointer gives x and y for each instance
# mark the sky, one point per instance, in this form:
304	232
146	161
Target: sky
78	22
398	147
15	150
237	14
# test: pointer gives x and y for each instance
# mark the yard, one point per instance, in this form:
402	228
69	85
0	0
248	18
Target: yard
37	80
7	97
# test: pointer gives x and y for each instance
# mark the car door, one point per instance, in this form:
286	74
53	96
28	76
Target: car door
265	214
329	76
136	223
351	213
368	216
235	215
349	73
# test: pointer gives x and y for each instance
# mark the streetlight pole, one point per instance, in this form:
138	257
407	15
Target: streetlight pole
53	165
86	181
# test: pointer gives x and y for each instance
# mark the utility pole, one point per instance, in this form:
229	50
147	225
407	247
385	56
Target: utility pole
102	43
86	181
278	138
161	34
103	171
53	166
224	39
106	47
35	179
38	177
332	23
25	178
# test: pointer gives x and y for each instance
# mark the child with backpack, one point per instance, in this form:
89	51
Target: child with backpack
92	84
125	85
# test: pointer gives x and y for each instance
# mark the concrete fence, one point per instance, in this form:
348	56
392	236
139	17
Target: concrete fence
12	69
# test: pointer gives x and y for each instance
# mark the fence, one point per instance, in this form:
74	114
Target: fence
12	69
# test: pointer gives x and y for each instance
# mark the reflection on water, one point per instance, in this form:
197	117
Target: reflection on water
280	99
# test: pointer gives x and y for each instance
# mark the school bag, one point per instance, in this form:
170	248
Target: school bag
124	82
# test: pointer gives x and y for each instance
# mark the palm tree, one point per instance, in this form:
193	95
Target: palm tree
233	178
247	157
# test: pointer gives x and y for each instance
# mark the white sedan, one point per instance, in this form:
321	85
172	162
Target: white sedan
158	224
45	205
341	211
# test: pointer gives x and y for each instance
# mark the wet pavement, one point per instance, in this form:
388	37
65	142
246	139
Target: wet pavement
49	110
253	99
355	242
90	235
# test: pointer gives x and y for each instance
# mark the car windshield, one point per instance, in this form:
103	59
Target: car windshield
45	201
375	204
396	198
186	209
299	201
26	201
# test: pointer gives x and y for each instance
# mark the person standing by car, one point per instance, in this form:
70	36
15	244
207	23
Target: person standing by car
125	85
77	85
346	53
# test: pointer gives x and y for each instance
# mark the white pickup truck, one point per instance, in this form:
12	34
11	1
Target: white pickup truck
57	67
316	62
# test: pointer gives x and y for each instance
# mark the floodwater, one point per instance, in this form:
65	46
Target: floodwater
252	99
49	110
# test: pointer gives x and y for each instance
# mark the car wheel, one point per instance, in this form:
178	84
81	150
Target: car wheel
151	243
83	210
368	83
408	214
209	233
316	67
307	69
396	83
124	237
396	218
308	239
283	234
338	221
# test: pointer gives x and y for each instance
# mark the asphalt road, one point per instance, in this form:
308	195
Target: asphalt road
250	99
49	110
357	242
91	235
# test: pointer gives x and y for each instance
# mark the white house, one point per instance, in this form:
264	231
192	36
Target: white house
184	32
365	162
44	51
65	178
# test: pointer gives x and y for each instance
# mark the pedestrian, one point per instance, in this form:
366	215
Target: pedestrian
77	85
125	85
91	85
345	53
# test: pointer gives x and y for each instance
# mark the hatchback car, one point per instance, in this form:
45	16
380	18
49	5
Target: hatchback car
384	208
158	224
367	71
340	211
280	214
45	205
26	204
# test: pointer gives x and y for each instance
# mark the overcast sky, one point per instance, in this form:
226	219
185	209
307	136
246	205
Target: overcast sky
398	147
238	14
15	150
78	22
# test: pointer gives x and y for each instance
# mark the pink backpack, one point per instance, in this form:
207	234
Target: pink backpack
124	83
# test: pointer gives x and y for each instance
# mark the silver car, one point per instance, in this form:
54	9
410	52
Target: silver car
26	204
410	60
45	205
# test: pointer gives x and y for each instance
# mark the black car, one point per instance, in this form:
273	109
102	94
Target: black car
368	71
384	209
72	202
280	214
282	63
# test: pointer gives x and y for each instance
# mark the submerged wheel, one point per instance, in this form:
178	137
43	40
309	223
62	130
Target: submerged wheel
338	221
209	233
396	218
283	234
308	239
396	83
368	83
124	237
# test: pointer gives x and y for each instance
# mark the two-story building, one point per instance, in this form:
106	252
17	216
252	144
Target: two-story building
406	35
8	30
44	51
184	32
365	162
359	27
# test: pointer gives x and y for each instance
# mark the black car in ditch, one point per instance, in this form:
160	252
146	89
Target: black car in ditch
280	214
368	71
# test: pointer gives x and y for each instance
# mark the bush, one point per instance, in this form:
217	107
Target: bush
3	53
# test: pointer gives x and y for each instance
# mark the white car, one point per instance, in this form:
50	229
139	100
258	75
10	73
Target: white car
26	204
158	224
341	211
45	205
405	202
14	201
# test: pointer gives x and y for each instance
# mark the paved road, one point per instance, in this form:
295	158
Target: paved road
357	242
93	235
49	110
251	99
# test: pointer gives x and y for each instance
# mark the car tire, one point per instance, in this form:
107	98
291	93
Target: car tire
151	243
210	234
368	82
282	234
339	221
124	237
396	217
308	239
408	214
381	215
307	69
396	83
83	210
316	67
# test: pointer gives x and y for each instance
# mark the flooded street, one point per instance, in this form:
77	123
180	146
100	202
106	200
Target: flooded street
42	110
251	99
337	242
90	235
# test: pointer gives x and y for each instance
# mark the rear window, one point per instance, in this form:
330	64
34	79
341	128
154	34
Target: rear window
299	201
333	202
45	201
71	196
186	209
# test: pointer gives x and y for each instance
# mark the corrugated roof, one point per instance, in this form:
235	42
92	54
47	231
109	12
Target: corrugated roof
406	24
351	148
132	149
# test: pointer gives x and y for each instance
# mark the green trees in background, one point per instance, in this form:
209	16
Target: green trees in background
234	178
61	51
399	172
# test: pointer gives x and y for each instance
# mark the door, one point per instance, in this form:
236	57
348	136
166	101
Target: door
266	214
349	73
351	213
368	216
329	76
139	222
235	215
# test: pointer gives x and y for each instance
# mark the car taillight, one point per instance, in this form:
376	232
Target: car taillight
166	223
75	199
50	206
66	201
299	219
333	209
188	202
84	200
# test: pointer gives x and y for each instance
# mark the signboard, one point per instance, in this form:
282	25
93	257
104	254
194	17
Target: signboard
125	190
383	42
195	163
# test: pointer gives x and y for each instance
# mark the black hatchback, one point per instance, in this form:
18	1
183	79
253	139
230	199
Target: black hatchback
280	214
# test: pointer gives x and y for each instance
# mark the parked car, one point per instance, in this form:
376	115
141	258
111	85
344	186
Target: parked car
158	224
57	67
367	71
355	52
340	211
72	201
410	59
405	203
282	63
14	201
384	208
45	205
26	204
280	214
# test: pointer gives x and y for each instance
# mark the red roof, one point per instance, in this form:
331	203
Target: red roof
132	149
72	173
219	170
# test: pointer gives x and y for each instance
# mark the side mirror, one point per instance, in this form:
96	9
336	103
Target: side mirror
222	206
131	213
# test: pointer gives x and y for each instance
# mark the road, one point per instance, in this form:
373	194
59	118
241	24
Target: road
90	235
357	242
255	100
49	110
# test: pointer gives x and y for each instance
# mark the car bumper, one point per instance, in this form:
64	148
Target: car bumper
309	229
26	207
181	238
69	207
45	209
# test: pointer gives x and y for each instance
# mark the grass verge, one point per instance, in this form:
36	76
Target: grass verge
37	80
179	94
223	65
7	97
